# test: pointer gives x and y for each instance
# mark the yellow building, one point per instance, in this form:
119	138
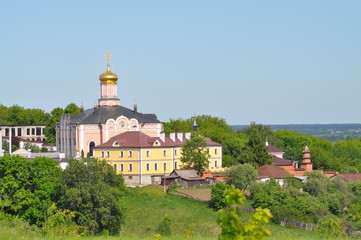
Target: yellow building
139	156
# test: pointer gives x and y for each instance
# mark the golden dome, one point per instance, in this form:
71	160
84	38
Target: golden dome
108	77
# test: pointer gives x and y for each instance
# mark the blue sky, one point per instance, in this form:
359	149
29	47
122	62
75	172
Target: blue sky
272	62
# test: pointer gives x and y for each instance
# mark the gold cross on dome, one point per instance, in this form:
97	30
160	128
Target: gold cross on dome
108	56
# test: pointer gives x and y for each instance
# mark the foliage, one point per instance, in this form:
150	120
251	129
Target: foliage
27	188
241	175
56	113
217	195
286	203
189	231
33	147
19	115
15	187
231	223
164	227
60	223
195	155
255	152
216	129
317	184
333	227
92	189
44	176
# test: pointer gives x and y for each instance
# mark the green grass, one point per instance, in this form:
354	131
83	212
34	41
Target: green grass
146	208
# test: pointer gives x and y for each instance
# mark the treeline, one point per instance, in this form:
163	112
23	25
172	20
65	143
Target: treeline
334	205
16	115
248	145
82	199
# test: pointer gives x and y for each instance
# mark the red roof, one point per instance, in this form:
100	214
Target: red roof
273	149
281	162
272	172
136	139
353	177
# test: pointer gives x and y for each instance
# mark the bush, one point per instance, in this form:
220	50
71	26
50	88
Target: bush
241	175
164	227
217	195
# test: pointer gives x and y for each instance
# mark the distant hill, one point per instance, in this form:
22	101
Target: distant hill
332	132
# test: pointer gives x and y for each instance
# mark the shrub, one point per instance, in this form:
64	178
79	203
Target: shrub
164	227
217	195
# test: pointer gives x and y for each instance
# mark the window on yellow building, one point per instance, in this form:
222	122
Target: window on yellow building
148	154
147	166
215	163
156	166
121	154
164	166
175	165
164	152
108	154
115	167
102	155
216	151
176	152
130	154
121	167
130	167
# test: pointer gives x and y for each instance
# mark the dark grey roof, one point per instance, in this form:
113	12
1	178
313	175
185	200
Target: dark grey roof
102	113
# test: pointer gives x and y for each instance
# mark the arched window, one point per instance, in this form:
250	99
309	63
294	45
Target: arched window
91	146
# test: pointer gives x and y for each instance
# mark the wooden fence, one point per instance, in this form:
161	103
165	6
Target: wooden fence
286	222
298	224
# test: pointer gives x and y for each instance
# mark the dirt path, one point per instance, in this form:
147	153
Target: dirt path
200	194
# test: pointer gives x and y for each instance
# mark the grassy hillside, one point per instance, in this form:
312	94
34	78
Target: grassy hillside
146	208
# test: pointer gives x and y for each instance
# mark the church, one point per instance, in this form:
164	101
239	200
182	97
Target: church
132	142
80	133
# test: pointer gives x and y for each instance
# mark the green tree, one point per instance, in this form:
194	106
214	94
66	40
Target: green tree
255	152
92	190
59	223
233	227
56	113
72	108
27	187
15	187
217	195
214	128
44	177
195	154
241	175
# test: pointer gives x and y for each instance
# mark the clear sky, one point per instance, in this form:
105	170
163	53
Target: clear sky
272	62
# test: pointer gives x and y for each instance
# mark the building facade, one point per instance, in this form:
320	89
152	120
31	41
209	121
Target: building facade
139	156
28	132
78	134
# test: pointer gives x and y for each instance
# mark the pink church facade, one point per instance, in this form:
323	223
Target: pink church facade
79	133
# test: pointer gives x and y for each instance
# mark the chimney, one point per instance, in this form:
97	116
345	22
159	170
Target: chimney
135	108
172	136
162	136
180	136
188	135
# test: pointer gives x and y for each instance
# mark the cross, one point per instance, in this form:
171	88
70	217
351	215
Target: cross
108	56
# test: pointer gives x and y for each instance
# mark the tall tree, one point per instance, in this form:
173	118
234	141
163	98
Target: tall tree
216	129
27	187
92	189
241	175
255	152
195	154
